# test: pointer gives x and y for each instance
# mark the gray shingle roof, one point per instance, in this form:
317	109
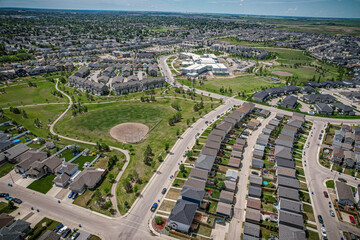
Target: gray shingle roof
183	212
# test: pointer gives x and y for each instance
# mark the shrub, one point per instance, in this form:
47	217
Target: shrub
158	220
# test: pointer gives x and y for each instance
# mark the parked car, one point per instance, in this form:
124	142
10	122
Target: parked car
342	180
322	131
71	194
18	201
326	194
66	232
163	191
352	219
8	198
4	195
59	226
323	232
154	207
332	213
255	173
320	219
75	235
62	230
74	195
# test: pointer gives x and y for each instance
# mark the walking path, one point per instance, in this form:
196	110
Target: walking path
125	152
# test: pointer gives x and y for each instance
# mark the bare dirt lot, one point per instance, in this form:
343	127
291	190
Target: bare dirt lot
129	132
282	74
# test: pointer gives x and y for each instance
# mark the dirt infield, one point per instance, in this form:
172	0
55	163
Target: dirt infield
282	74
129	132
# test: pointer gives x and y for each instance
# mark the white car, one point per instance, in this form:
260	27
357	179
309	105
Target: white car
323	232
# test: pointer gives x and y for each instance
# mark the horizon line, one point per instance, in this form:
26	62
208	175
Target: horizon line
179	12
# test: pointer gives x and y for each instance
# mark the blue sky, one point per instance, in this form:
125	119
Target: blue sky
308	8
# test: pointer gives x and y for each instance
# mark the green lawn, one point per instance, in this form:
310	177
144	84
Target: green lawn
67	154
309	213
215	193
304	197
5	169
212	207
238	84
82	160
25	95
5	209
184	174
330	184
178	183
203	230
43	184
310	235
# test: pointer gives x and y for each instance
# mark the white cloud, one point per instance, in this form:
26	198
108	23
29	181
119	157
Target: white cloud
291	10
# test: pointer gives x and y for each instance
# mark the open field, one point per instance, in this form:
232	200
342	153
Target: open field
95	125
25	95
248	83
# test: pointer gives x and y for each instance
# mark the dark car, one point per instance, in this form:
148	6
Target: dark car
163	191
66	232
255	173
320	219
58	227
4	195
8	198
154	207
326	194
74	195
18	201
75	235
342	180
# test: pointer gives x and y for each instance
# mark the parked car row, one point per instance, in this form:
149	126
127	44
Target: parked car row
7	197
64	231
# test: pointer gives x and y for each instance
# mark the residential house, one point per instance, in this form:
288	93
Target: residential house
349	159
205	162
251	229
195	183
224	209
285	172
27	158
82	72
286	233
199	174
291	219
230	186
231	175
234	162
288	193
287	182
323	108
285	141
255	181
318	98
308	90
226	196
12	153
39	169
337	155
343	109
344	194
16	231
6	220
50	235
289	102
257	163
255	191
64	172
261	96
290	205
88	178
191	194
253	216
253	203
219	133
182	215
213	145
